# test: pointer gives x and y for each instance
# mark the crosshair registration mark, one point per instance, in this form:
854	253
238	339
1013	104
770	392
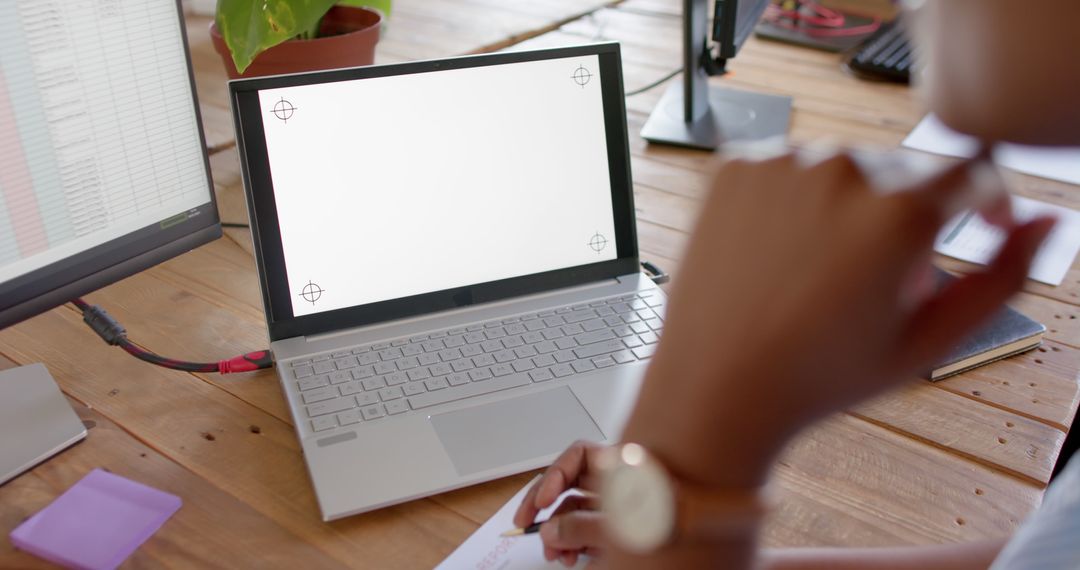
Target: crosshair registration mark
311	292
581	76
284	110
597	242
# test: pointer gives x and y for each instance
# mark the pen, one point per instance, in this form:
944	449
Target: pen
535	527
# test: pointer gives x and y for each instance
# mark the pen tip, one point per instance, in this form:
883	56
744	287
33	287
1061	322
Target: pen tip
513	532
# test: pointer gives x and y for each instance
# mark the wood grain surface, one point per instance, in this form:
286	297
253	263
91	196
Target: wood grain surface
965	458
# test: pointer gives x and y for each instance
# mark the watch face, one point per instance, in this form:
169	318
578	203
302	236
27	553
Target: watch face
640	506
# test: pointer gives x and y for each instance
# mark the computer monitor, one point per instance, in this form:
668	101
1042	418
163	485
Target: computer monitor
694	114
103	168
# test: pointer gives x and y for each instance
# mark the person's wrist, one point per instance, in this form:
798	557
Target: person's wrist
647	508
722	465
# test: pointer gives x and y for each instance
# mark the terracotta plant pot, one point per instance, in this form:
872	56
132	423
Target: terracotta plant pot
347	39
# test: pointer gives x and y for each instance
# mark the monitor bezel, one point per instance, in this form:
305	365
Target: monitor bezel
277	296
62	281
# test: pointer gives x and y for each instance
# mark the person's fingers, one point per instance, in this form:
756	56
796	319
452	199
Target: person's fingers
968	301
569	558
999	212
526	511
838	164
920	283
970	184
574	530
568	471
570	503
558	478
576	503
564	472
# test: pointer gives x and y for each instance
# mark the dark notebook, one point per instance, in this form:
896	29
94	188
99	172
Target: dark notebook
1009	333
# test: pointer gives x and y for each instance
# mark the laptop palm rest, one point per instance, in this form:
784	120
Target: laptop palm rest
502	433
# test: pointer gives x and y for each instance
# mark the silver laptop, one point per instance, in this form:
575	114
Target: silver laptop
449	265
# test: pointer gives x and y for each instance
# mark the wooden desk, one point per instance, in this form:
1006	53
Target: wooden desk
965	458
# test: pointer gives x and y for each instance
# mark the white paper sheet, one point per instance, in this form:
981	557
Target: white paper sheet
486	550
970	238
1063	164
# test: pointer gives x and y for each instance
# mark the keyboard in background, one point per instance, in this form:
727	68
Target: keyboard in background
886	55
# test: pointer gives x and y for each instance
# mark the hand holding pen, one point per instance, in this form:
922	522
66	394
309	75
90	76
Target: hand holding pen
575	527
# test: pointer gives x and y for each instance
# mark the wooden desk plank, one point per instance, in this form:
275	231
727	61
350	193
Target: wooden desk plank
670	7
236	284
1017	445
229	190
210	332
217	127
208	432
1041	390
1062	320
204	532
439	29
846	482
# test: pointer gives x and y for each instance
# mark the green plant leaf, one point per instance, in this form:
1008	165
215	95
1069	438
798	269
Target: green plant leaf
380	5
250	27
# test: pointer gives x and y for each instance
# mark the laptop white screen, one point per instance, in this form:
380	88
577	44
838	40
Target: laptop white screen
396	186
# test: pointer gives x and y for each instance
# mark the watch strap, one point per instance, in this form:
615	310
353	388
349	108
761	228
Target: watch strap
705	514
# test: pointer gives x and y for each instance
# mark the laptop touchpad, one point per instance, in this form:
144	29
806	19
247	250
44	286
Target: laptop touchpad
501	433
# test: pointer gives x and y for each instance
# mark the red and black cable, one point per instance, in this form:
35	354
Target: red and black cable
113	333
815	20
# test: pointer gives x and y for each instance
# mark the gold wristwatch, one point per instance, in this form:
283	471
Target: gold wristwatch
646	508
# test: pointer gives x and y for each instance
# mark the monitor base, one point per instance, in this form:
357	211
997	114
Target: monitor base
733	115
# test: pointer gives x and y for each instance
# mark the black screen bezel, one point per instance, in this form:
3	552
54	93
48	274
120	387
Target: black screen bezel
61	281
277	297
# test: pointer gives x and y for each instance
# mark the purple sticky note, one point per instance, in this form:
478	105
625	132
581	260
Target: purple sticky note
97	523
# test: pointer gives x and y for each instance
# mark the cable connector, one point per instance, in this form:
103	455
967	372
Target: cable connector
113	333
246	362
657	275
104	325
713	66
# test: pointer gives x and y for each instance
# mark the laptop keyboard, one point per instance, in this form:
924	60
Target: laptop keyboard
375	381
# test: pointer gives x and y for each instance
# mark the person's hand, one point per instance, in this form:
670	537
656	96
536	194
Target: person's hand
802	291
574	528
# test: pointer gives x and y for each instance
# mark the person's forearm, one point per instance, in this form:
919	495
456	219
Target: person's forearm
732	555
965	556
712	455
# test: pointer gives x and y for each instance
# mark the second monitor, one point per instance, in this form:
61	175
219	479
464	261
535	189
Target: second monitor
694	114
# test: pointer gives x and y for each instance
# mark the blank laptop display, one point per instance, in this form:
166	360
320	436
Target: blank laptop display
403	185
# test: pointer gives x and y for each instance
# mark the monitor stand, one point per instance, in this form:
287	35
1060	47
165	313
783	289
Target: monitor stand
694	114
730	115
